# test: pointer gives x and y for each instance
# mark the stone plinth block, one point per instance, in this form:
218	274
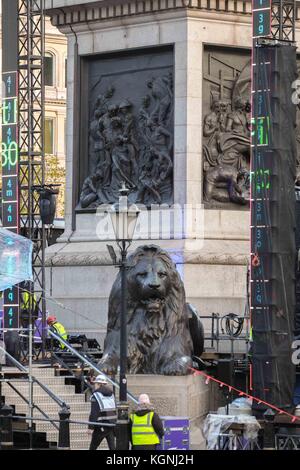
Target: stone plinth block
186	396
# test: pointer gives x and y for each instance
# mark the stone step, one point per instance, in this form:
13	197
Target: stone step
68	398
45	380
80	432
24	389
78	444
80	417
52	435
36	371
53	408
75	415
79	411
79	408
43	426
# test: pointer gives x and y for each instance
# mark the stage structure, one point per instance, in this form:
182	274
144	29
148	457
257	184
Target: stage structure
9	148
31	141
273	168
23	144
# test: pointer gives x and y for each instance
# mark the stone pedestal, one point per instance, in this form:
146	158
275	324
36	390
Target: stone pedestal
213	267
80	272
186	396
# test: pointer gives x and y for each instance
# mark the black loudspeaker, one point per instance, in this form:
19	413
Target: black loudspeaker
48	205
12	346
297	214
225	371
297	268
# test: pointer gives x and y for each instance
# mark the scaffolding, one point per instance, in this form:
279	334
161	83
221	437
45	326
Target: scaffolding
283	18
31	34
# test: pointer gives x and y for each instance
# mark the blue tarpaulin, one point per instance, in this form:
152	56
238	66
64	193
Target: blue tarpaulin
15	259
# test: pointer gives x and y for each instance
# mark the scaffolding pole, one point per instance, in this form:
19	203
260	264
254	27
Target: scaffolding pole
31	34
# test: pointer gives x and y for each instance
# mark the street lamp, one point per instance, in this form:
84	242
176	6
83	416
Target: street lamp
124	219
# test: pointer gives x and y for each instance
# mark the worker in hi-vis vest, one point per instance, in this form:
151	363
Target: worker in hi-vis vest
146	426
103	411
57	328
28	301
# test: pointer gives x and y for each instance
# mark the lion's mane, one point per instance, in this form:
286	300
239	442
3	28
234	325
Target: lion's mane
156	342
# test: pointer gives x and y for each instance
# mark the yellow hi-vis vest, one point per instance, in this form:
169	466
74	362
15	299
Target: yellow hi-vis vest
25	300
61	331
142	430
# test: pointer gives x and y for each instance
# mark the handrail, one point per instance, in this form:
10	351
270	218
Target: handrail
71	421
52	395
73	375
89	363
34	406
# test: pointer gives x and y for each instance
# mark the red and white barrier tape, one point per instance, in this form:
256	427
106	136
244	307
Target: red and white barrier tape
243	394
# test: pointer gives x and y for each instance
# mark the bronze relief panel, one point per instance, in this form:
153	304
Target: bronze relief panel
226	127
130	128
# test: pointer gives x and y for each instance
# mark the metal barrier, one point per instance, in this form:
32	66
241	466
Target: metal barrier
232	441
64	413
287	442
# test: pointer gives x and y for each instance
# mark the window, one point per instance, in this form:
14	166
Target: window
66	72
49	69
49	136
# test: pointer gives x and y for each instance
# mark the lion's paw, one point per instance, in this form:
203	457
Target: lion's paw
177	367
108	364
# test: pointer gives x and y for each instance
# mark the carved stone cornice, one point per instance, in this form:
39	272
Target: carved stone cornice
103	259
107	10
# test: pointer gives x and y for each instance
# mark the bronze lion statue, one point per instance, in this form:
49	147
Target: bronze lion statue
164	332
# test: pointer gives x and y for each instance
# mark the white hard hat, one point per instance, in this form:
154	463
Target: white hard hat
100	379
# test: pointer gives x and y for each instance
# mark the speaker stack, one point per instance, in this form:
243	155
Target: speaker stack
273	249
297	269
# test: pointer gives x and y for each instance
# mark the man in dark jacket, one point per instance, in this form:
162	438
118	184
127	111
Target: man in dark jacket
103	409
145	425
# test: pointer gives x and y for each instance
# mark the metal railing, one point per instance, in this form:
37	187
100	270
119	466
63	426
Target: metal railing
217	335
64	420
46	389
64	414
86	360
31	379
60	360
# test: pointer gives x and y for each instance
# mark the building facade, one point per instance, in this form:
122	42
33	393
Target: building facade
55	110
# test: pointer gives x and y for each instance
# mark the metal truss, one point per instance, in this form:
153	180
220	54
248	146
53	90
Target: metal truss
232	441
283	17
287	442
31	35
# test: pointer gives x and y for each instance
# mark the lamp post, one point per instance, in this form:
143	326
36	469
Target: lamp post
124	219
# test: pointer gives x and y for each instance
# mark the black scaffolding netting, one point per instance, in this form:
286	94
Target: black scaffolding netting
273	225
